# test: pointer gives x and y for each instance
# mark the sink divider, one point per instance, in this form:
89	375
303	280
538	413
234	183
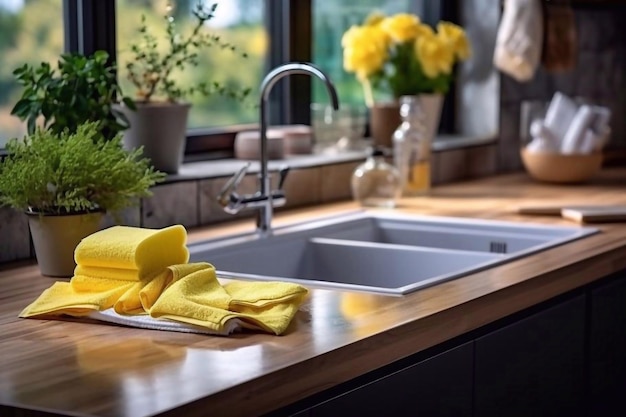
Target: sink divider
396	246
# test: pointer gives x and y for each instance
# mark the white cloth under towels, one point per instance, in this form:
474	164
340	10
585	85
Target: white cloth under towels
147	322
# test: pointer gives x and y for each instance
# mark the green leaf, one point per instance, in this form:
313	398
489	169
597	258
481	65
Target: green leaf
81	88
65	172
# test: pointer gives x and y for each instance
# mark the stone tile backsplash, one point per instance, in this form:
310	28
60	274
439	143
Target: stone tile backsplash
173	203
192	202
335	181
14	235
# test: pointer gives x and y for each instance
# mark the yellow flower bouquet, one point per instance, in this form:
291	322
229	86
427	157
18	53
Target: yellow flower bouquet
403	56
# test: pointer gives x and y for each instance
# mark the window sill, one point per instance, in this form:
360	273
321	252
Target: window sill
444	143
226	167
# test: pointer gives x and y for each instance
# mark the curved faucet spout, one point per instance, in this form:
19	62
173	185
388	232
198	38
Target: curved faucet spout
297	68
265	217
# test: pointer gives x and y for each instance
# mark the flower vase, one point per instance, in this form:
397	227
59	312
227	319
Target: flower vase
431	105
385	118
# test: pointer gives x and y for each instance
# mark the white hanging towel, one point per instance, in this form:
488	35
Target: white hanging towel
519	39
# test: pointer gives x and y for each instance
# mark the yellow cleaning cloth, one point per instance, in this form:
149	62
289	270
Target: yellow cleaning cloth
185	293
196	297
61	298
122	267
269	305
136	271
84	294
130	253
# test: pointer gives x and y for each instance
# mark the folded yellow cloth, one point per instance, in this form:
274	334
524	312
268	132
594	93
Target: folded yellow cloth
187	293
196	297
130	253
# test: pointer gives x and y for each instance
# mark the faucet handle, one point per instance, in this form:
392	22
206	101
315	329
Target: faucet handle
283	172
224	196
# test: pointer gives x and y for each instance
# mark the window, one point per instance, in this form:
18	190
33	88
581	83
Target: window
272	31
330	21
30	32
239	22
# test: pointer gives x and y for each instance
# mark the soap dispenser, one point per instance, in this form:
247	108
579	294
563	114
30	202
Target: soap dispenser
376	183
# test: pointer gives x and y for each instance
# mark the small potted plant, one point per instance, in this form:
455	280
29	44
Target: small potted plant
65	182
82	88
159	121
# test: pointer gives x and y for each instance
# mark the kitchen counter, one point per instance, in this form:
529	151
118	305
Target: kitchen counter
78	368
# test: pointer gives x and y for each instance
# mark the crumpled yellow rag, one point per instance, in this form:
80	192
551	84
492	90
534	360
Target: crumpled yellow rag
84	294
197	298
186	293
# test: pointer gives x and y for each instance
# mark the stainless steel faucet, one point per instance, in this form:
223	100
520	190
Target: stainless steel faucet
265	199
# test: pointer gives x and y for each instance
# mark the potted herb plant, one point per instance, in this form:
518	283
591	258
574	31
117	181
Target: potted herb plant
65	182
159	120
82	88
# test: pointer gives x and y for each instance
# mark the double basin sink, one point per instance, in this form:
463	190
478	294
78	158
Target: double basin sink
386	253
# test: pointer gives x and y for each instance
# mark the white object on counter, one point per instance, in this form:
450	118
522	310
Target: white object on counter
543	138
588	142
519	39
575	134
588	131
560	115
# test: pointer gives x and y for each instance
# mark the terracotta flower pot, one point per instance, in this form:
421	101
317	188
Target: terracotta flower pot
385	118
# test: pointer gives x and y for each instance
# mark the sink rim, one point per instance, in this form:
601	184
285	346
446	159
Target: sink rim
248	238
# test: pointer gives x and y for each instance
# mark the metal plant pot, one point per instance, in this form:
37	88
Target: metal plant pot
56	236
159	127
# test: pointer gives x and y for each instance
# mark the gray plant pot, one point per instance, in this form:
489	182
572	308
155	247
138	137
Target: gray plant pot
160	128
56	237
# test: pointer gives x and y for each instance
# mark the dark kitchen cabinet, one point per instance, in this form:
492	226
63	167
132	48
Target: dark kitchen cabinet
438	386
607	348
535	366
565	357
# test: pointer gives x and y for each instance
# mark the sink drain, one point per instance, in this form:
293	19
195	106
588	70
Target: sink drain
497	247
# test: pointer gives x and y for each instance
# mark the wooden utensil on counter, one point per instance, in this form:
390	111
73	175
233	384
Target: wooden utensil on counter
580	214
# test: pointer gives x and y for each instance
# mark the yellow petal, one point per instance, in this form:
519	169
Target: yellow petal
402	27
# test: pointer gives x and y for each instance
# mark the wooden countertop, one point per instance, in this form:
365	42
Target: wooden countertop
87	369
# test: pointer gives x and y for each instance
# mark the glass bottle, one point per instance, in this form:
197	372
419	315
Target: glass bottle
376	183
411	148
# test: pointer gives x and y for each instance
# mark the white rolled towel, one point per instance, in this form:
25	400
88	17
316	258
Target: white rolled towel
575	135
543	138
519	39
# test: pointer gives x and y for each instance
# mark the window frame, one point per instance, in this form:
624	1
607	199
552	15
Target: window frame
448	10
90	25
